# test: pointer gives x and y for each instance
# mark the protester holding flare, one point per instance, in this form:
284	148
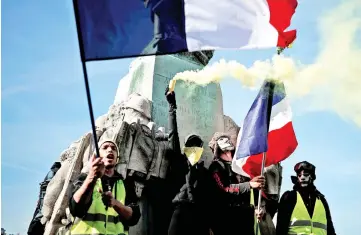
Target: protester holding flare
232	194
189	175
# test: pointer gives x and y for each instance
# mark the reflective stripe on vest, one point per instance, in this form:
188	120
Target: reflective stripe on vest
255	217
302	223
98	220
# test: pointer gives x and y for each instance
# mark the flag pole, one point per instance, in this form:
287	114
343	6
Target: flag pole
260	191
85	74
90	108
269	109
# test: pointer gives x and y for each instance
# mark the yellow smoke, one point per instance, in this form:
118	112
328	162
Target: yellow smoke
332	82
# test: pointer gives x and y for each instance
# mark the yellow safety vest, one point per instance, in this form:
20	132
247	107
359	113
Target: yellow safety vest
255	218
302	224
99	221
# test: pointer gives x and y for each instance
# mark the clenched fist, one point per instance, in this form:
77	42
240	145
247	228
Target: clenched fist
171	98
96	168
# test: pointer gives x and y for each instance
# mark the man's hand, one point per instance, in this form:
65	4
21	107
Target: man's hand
259	213
96	168
171	98
125	212
108	199
258	182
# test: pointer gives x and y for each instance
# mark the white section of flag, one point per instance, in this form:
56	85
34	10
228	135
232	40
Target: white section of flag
281	114
233	24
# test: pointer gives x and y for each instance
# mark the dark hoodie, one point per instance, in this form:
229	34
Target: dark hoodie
288	202
190	215
190	179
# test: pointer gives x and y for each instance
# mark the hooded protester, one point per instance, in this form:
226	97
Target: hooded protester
304	210
189	215
233	207
100	201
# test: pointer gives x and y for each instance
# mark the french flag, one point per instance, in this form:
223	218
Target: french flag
267	128
111	29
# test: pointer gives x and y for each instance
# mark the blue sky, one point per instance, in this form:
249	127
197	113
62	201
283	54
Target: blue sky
44	107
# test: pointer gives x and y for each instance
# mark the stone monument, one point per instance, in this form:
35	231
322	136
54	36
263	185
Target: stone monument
140	95
200	108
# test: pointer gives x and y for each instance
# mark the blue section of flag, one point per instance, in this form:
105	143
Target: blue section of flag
255	126
110	29
279	92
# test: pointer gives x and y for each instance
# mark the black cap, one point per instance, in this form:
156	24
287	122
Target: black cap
193	140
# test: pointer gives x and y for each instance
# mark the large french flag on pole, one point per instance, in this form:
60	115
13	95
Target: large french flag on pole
268	129
111	29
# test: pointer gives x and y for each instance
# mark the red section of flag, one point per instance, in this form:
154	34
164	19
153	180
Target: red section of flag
286	38
281	144
281	14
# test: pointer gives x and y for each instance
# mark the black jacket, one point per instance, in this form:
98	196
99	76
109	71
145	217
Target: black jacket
187	182
80	209
230	196
194	182
229	188
288	202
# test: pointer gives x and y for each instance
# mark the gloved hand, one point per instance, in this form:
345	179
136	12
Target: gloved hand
171	99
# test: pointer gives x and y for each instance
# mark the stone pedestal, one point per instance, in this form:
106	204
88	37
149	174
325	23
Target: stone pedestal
200	111
200	108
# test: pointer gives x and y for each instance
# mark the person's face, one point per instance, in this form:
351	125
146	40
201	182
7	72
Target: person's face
304	178
108	153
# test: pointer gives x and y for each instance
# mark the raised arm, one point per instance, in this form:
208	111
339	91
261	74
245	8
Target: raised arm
173	138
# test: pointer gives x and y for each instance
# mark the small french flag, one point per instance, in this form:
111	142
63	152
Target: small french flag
268	129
